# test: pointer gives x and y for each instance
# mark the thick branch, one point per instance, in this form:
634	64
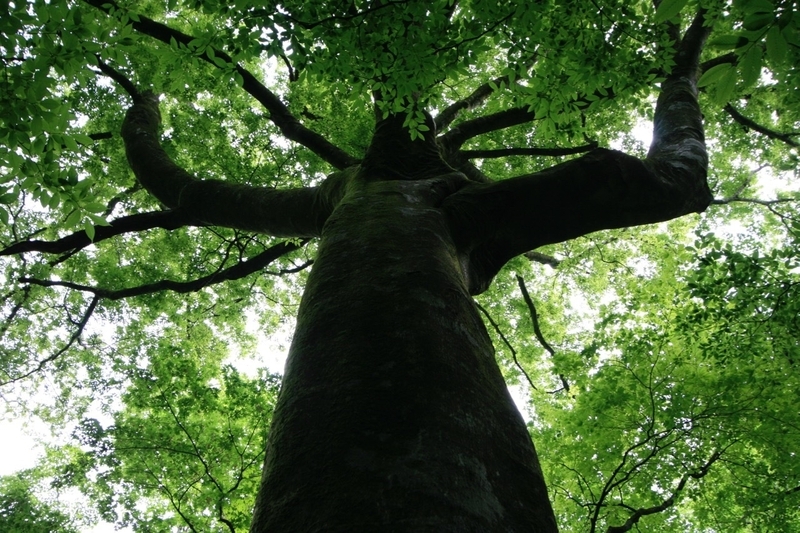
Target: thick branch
544	259
751	124
719	60
737	198
290	213
119	78
604	189
468	129
290	127
237	271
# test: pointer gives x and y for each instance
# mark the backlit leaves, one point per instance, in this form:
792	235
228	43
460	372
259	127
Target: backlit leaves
669	8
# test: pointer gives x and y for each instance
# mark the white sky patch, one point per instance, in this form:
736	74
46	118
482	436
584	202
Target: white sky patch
521	395
271	351
19	450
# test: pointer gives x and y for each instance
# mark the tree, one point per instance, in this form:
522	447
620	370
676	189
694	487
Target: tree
22	512
394	149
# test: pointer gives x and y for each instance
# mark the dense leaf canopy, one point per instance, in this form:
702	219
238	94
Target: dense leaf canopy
659	364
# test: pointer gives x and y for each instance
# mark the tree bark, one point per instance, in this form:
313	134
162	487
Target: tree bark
393	414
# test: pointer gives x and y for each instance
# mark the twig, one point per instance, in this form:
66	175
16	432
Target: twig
508	344
536	329
78	332
638	514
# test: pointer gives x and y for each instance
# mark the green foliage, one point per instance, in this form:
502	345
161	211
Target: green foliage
758	30
22	512
678	341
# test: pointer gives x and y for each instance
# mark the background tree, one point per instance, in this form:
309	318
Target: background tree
661	361
22	511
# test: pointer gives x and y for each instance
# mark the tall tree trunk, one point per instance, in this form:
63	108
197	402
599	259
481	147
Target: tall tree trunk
393	414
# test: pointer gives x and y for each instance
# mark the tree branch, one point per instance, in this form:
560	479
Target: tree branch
288	124
737	198
638	514
119	78
751	124
81	325
237	271
476	98
603	189
461	133
543	259
505	152
719	60
168	220
281	213
537	330
508	344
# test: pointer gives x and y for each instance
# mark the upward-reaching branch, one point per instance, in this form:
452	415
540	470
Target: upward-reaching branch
476	98
602	190
283	213
289	125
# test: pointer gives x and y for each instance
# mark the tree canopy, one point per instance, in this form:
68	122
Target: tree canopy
659	364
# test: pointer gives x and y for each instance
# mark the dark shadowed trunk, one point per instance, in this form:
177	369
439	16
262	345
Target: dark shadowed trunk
393	414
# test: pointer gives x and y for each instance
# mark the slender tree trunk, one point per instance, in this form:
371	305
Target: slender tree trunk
393	414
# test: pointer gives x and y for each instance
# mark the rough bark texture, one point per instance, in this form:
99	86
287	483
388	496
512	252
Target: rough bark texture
393	414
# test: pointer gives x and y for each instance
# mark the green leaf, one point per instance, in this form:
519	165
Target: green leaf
73	218
83	139
70	144
88	227
776	46
98	220
668	9
94	207
8	198
758	6
714	74
725	87
750	66
758	21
